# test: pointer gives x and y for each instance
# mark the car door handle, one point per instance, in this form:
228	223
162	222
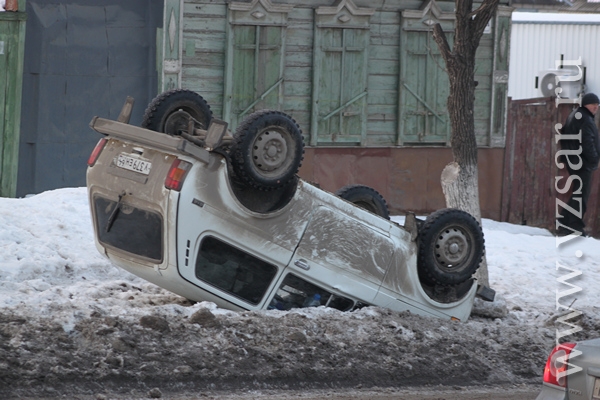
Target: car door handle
302	264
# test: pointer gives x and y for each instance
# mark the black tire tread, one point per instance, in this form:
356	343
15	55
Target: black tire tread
237	156
350	192
155	107
429	228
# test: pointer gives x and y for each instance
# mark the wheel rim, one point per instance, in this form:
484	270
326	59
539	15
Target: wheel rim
177	122
452	248
270	151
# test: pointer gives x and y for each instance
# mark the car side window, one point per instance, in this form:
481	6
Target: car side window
295	292
233	270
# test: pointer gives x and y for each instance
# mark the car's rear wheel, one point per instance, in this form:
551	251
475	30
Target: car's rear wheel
170	112
451	247
267	150
365	197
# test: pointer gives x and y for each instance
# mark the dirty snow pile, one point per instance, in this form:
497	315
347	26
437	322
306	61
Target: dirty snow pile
71	323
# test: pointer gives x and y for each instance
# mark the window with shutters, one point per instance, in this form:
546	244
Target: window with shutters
339	114
255	58
424	85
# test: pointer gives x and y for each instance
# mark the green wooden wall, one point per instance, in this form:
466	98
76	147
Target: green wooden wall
12	39
352	73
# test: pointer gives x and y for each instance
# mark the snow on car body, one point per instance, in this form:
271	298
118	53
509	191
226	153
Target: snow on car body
169	211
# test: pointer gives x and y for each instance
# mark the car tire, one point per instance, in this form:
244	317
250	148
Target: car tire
169	112
365	197
267	150
451	247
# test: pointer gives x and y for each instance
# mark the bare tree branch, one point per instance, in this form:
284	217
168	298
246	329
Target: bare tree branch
482	15
442	41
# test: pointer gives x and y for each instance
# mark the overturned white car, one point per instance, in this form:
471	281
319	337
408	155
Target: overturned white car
224	218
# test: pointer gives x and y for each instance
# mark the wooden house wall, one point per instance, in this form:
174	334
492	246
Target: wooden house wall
204	43
12	44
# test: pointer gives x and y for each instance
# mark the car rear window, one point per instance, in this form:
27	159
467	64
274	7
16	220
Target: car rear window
233	271
128	228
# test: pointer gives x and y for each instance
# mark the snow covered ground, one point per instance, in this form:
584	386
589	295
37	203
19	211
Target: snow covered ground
71	322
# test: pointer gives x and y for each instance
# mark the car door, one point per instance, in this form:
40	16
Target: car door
343	254
224	254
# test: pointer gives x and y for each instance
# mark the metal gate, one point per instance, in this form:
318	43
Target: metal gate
528	194
82	59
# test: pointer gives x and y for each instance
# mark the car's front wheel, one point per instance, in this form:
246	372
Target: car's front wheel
451	247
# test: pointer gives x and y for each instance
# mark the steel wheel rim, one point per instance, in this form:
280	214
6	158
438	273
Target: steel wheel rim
270	151
452	248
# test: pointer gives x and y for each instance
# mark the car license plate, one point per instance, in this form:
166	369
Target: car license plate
133	164
596	393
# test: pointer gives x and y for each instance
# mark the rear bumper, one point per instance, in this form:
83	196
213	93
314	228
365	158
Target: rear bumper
552	393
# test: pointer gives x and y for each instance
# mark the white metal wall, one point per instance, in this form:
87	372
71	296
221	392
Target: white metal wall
534	47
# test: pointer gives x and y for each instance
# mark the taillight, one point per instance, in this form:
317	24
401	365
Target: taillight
176	175
557	366
96	153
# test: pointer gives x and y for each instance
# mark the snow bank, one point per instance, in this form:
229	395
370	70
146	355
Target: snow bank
71	322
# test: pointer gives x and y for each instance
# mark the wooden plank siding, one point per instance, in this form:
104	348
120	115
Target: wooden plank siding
209	28
382	80
297	85
483	92
499	73
203	69
528	195
12	45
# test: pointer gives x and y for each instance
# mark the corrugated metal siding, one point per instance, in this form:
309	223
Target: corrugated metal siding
536	46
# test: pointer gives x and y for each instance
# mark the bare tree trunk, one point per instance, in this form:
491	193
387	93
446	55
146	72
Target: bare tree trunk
460	178
459	189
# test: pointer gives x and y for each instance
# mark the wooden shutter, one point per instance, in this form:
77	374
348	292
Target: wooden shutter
257	70
255	59
340	108
425	89
424	84
339	113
